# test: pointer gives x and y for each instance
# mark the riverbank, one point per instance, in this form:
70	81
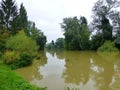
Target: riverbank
11	81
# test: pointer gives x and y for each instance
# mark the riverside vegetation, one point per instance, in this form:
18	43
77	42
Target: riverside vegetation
20	39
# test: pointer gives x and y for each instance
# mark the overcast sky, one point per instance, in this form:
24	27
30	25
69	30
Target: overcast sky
48	14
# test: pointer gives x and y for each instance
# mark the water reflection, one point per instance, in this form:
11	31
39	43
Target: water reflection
52	73
75	70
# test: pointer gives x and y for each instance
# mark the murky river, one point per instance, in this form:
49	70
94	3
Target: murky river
75	70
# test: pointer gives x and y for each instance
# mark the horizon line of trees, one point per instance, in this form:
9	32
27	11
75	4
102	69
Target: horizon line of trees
102	34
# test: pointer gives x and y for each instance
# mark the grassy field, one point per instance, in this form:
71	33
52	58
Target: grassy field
11	81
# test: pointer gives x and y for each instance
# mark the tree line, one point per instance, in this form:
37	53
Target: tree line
103	33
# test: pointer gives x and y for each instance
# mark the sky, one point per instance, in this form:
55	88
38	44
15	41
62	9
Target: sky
48	14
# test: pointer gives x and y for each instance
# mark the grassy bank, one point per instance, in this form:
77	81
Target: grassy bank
11	81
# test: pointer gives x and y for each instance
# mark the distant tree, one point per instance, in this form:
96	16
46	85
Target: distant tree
60	43
8	15
23	20
50	46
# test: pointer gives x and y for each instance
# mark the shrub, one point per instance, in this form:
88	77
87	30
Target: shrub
22	43
23	60
10	57
108	46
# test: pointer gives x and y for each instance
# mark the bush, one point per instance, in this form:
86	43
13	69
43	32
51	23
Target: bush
22	43
23	60
21	50
17	60
108	46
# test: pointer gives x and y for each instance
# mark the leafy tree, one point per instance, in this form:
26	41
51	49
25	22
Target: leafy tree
8	15
76	32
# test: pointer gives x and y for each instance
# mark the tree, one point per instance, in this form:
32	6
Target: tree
23	21
96	41
36	34
39	37
8	15
76	33
60	43
103	10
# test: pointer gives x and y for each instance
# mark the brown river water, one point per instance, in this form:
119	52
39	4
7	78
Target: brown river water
74	70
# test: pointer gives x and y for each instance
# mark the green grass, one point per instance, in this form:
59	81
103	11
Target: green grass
9	80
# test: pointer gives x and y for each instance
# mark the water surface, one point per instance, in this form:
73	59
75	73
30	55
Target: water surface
75	70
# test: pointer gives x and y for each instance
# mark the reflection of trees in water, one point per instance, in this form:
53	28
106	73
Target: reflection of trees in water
31	72
51	52
77	68
59	54
103	70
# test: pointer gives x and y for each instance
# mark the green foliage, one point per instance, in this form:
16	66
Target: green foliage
16	60
23	60
60	43
22	43
108	46
21	50
96	41
9	80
